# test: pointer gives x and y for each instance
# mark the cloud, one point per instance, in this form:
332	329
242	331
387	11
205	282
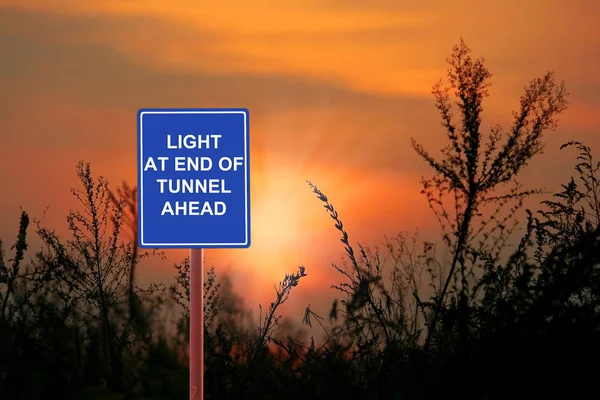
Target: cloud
100	62
321	44
380	47
78	95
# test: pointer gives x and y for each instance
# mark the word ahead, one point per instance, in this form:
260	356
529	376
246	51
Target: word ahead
194	178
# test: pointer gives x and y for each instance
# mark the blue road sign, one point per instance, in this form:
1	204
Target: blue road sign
193	178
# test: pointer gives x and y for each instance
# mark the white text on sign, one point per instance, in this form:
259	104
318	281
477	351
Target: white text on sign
193	142
193	186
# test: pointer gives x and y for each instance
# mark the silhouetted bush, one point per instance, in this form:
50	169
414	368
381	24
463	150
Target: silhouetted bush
74	324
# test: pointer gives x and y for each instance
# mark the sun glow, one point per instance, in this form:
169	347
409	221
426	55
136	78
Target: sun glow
284	212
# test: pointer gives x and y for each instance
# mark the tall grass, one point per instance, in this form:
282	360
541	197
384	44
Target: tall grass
75	324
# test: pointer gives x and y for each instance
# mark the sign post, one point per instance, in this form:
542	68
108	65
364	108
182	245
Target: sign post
194	193
196	324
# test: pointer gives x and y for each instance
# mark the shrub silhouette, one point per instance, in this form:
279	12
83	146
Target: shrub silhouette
473	171
74	323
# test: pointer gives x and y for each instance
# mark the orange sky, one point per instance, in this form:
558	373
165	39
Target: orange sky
335	88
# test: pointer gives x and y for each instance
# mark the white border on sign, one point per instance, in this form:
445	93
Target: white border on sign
141	205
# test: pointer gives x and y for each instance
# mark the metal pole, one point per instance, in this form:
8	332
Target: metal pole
196	324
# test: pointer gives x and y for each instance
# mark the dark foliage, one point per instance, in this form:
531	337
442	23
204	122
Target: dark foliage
74	323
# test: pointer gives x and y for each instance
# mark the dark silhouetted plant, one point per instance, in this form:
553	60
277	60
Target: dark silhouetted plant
473	171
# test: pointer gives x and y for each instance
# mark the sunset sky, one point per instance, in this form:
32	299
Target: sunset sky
335	89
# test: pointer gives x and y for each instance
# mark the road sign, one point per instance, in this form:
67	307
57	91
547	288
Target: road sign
193	178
